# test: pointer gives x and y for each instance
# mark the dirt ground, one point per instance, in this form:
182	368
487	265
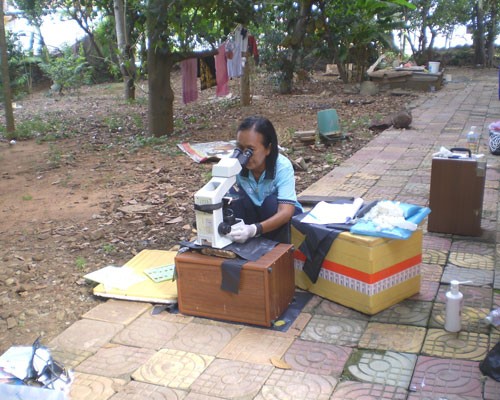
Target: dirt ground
95	189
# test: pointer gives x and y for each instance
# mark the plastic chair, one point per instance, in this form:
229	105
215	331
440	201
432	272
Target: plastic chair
329	126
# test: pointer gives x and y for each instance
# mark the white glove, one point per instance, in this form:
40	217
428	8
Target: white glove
240	233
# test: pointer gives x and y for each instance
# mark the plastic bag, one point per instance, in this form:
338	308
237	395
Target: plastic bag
490	366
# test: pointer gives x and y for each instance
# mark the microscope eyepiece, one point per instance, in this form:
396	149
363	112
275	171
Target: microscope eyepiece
242	156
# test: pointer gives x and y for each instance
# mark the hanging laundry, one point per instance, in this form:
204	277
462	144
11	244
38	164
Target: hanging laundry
189	69
207	72
221	72
252	48
239	43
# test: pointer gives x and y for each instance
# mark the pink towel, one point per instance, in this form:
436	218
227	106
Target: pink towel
221	72
189	69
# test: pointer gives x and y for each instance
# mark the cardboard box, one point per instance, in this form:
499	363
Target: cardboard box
366	273
266	287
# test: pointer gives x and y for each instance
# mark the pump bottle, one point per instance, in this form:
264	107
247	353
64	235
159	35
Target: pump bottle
454	303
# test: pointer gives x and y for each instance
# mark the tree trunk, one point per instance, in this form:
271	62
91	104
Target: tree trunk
296	38
478	40
492	32
125	52
161	95
7	94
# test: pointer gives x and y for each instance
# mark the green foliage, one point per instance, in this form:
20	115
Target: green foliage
68	71
80	263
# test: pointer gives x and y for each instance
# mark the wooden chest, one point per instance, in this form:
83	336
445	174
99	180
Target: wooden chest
266	287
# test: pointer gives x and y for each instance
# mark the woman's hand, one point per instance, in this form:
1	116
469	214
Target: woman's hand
240	233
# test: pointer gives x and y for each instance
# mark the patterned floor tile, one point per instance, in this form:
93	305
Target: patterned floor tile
118	312
469	260
199	396
386	368
472	319
435	242
428	291
317	358
351	390
430	256
407	312
290	385
70	358
480	297
401	338
462	345
139	390
148	331
202	339
85	387
327	307
85	335
335	330
431	272
173	368
491	389
254	346
478	277
115	361
440	377
230	379
312	304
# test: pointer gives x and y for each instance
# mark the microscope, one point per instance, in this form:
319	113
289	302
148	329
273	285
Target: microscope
214	216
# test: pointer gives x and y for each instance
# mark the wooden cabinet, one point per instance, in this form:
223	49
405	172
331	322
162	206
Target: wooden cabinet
267	287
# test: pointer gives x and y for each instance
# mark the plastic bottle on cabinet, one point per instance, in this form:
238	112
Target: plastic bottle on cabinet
473	140
493	317
454	303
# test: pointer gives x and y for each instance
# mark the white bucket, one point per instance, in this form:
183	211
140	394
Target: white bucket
434	67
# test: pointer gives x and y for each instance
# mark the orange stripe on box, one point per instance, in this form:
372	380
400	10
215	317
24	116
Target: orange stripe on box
363	276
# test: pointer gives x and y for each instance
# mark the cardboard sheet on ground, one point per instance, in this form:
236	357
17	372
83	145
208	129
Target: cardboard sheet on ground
145	290
202	152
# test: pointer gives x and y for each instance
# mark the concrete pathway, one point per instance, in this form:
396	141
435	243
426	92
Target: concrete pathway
120	351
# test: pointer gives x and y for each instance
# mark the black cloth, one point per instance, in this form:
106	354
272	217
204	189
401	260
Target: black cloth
231	273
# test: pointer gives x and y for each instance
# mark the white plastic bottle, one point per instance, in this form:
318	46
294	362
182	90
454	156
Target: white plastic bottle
493	317
473	140
454	303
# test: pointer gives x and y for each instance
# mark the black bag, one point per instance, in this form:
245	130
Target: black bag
490	366
494	143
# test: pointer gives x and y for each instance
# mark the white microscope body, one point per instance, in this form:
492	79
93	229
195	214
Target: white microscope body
208	201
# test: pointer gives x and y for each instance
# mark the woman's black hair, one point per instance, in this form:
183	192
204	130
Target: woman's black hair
269	137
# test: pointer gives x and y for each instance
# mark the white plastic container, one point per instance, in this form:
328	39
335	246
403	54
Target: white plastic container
434	67
454	303
473	140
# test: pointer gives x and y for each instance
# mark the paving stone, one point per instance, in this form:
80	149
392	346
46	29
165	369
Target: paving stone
317	358
469	260
312	304
407	312
203	339
255	346
401	338
441	377
199	396
85	387
430	256
428	291
172	368
387	368
461	345
327	307
148	331
85	335
472	318
431	272
70	358
118	312
478	277
139	390
290	385
435	242
491	389
351	390
231	379
335	330
115	361
479	297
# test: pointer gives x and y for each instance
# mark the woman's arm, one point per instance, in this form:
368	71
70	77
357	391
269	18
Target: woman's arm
283	216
